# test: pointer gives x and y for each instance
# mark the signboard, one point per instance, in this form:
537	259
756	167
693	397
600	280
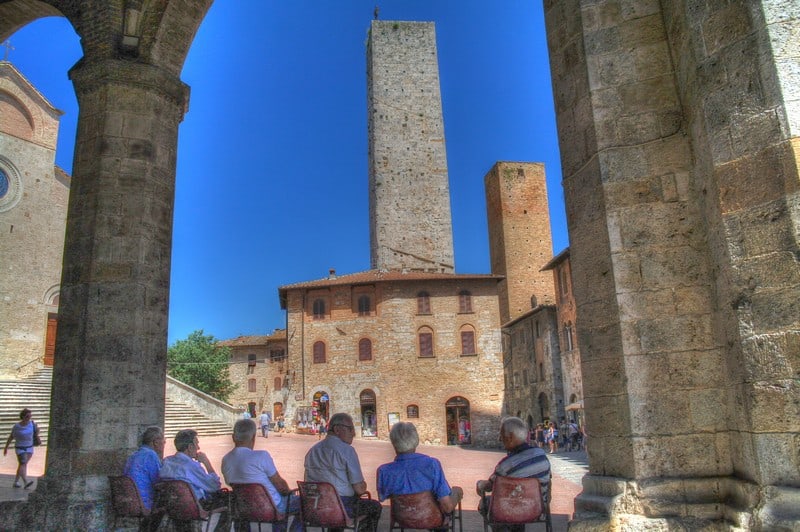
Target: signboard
394	417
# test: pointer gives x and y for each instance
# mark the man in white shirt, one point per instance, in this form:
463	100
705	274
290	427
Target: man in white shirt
265	419
334	460
243	465
193	466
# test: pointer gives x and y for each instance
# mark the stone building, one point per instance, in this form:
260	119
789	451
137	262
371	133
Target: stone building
33	211
258	364
393	345
532	366
572	379
678	126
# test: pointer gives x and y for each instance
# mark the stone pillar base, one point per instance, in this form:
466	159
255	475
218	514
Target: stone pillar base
707	504
80	503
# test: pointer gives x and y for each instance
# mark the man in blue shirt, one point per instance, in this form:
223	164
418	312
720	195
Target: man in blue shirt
143	467
412	472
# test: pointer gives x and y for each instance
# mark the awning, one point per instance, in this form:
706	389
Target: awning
575	406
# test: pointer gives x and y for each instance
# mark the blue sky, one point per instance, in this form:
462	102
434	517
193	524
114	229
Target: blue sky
272	164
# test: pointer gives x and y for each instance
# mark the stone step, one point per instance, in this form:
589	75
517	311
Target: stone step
34	393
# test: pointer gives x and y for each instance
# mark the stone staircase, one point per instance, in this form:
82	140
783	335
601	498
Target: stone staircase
34	393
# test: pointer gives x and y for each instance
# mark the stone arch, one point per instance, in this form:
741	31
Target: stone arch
52	295
15	118
673	180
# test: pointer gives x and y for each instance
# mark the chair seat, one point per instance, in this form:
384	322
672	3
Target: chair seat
418	511
321	506
516	501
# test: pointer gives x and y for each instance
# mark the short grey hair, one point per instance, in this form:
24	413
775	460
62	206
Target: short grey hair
244	430
404	437
340	419
151	434
184	439
514	426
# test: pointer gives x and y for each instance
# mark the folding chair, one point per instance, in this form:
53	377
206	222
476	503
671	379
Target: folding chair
126	501
252	504
516	501
421	511
320	506
180	503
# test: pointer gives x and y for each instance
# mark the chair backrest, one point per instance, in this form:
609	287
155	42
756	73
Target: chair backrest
321	506
516	500
252	503
178	499
417	510
125	497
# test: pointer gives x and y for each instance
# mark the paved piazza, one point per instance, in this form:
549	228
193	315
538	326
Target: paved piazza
462	466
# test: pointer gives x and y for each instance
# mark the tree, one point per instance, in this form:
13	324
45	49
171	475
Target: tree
199	362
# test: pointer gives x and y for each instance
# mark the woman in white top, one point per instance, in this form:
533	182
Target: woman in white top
23	434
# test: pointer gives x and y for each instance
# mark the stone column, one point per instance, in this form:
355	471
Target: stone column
680	176
109	375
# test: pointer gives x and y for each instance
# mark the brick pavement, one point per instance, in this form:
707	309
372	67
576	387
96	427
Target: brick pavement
463	467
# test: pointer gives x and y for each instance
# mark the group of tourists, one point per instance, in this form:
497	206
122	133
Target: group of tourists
333	460
566	436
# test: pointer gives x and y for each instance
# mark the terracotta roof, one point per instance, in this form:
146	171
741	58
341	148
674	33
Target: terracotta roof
383	276
279	334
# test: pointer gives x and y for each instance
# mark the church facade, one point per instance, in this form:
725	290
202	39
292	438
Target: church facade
33	211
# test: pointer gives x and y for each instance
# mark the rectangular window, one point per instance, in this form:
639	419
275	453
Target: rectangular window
251	385
468	343
276	355
426	344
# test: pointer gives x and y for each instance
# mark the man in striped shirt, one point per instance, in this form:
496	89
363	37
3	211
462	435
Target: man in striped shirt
522	460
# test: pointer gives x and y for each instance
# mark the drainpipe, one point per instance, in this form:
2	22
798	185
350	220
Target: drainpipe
303	346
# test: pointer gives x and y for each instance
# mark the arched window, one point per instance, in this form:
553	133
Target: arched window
468	341
423	303
365	349
278	382
425	341
464	302
364	306
412	411
319	309
319	352
251	385
568	339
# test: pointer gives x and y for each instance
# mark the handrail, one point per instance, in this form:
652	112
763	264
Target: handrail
29	362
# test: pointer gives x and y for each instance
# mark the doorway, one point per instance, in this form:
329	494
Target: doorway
459	426
277	411
321	407
50	339
369	418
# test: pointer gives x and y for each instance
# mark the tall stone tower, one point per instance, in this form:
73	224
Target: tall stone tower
520	242
410	222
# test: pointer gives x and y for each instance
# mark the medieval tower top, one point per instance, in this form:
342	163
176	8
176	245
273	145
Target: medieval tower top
410	222
520	242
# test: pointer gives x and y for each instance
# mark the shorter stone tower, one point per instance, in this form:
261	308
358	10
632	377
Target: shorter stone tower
520	242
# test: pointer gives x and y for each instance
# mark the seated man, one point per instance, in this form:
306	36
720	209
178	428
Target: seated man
334	460
193	466
412	472
243	465
143	467
522	461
